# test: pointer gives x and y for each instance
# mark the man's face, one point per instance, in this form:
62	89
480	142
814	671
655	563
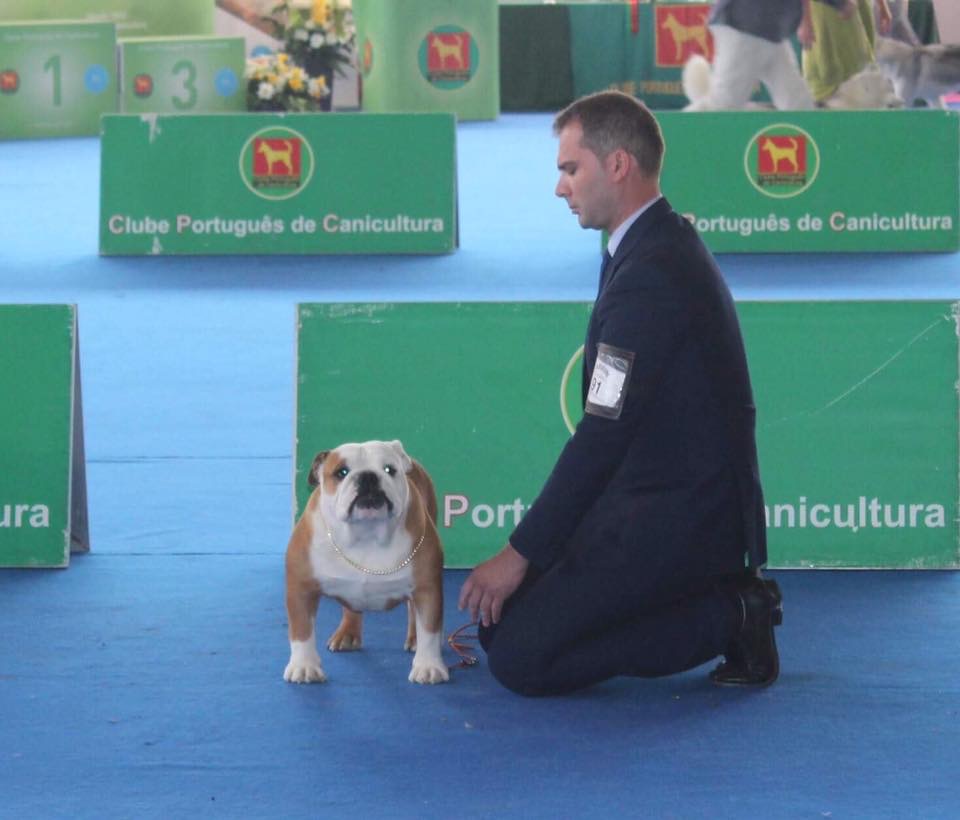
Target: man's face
583	182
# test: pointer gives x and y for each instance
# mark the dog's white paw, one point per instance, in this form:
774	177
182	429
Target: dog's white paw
304	673
304	665
431	672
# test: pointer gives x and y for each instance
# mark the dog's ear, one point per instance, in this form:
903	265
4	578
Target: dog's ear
313	477
406	464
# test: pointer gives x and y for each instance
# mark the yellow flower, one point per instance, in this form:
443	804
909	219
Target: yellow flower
296	79
318	87
321	12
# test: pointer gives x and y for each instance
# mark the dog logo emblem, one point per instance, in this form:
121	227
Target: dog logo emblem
9	81
681	31
143	85
276	163
782	161
448	57
276	160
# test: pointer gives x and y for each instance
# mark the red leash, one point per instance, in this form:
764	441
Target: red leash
463	643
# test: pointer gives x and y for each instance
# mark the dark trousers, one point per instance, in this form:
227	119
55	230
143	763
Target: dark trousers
576	624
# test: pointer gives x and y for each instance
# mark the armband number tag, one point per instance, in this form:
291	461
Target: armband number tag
609	382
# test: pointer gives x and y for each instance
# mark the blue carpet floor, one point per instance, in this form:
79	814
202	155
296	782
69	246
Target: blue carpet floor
145	680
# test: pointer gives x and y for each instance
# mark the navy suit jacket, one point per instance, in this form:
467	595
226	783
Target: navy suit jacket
670	489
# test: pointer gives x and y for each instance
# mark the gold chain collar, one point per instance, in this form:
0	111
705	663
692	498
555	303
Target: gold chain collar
360	567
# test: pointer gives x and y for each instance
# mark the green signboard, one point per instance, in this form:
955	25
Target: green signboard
274	183
43	507
430	55
133	18
857	425
778	181
185	75
56	79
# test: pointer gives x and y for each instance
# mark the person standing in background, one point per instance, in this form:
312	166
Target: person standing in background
843	42
752	42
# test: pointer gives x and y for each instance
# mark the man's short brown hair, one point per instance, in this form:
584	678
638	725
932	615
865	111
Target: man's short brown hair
612	120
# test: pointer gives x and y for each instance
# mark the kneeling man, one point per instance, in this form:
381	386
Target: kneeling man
641	554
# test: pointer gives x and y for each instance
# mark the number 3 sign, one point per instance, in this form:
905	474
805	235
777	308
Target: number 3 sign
182	75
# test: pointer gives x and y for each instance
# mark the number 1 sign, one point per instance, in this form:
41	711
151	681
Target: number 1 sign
56	78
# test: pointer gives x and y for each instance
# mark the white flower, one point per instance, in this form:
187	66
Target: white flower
317	40
301	34
265	91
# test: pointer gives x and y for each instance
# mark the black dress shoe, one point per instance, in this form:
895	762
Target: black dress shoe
751	658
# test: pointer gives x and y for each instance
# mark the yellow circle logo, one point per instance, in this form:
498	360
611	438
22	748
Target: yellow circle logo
570	398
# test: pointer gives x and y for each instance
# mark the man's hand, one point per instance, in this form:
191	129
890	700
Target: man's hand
884	17
491	583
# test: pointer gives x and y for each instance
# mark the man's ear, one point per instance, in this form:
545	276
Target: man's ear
618	164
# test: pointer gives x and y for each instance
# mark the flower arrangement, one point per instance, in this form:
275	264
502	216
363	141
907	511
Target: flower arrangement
274	83
319	35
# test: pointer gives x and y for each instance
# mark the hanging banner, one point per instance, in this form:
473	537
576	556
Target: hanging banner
43	492
857	416
274	183
640	49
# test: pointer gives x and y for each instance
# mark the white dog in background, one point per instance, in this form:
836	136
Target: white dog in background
697	81
868	89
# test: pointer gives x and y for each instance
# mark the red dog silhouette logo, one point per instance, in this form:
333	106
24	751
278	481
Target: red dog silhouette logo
143	85
681	32
9	81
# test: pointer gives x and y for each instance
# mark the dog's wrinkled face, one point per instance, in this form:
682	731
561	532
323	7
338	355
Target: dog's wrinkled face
363	482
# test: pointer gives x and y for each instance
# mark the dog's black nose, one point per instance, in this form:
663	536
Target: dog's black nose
368	482
370	495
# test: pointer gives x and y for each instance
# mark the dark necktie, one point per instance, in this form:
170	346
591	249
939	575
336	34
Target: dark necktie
604	272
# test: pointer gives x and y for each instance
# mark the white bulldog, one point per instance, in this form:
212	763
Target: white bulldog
368	539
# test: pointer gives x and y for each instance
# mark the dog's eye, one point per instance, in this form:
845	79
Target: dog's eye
342	472
389	469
